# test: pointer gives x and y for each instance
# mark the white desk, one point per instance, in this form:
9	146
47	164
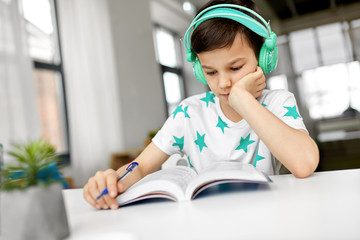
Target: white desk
323	206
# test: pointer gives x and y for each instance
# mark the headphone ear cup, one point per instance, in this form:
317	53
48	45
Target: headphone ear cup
199	73
268	58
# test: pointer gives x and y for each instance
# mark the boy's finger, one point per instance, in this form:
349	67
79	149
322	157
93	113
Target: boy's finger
123	185
87	196
258	69
111	202
111	181
95	188
92	193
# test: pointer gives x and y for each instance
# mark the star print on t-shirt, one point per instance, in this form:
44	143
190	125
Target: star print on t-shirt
179	109
200	141
185	112
190	162
179	142
221	124
292	112
258	157
244	143
208	98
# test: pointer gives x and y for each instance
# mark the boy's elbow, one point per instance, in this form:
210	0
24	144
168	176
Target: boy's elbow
306	168
303	173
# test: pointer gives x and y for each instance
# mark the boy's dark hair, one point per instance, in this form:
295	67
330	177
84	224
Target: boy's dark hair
218	33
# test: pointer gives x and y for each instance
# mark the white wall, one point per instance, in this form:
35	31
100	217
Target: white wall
140	84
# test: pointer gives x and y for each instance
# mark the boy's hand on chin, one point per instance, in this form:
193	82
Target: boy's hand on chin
252	83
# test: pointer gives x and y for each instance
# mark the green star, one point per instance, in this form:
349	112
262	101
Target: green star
185	111
177	110
258	157
264	105
200	141
190	162
208	98
244	143
221	124
179	142
292	112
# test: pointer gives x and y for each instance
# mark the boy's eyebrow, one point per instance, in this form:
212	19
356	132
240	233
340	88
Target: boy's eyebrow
230	63
236	60
204	66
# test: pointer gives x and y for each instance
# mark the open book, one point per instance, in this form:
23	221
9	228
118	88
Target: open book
183	183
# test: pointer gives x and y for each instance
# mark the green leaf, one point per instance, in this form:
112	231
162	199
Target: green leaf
30	158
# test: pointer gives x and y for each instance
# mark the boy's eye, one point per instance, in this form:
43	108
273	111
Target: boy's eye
235	68
211	73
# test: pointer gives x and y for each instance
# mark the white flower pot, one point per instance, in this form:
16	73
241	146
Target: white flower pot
34	214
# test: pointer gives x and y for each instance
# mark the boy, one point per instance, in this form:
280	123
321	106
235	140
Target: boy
237	120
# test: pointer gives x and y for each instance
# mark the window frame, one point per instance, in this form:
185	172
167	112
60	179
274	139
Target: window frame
176	70
64	158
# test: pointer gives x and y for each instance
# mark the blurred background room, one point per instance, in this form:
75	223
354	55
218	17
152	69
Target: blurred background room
98	78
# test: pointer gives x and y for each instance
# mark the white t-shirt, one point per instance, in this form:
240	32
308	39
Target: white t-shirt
199	129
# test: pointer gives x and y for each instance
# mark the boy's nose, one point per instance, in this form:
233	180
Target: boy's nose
224	81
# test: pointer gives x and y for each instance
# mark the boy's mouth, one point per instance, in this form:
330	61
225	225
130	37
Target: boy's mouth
225	95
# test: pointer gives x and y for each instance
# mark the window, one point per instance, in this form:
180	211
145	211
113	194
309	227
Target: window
167	46
323	45
355	37
328	91
172	88
44	49
333	44
327	67
304	50
278	82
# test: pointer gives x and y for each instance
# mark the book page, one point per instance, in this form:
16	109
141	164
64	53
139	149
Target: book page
169	183
224	171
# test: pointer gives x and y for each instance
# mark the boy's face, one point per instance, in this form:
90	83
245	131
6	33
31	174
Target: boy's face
225	66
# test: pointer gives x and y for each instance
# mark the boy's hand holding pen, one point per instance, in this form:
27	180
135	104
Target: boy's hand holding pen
105	182
129	169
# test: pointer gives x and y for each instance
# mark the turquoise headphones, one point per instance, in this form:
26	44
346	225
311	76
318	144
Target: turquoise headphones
269	52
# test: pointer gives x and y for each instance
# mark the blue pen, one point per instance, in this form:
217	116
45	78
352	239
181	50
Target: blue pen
129	169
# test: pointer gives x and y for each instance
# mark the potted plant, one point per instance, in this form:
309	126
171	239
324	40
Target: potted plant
32	205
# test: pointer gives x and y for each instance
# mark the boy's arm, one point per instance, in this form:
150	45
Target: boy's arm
292	147
149	161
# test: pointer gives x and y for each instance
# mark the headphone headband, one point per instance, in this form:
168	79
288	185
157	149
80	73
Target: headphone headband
268	53
227	11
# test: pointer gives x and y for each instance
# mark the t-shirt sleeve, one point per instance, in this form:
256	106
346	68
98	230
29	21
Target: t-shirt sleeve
284	106
170	138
